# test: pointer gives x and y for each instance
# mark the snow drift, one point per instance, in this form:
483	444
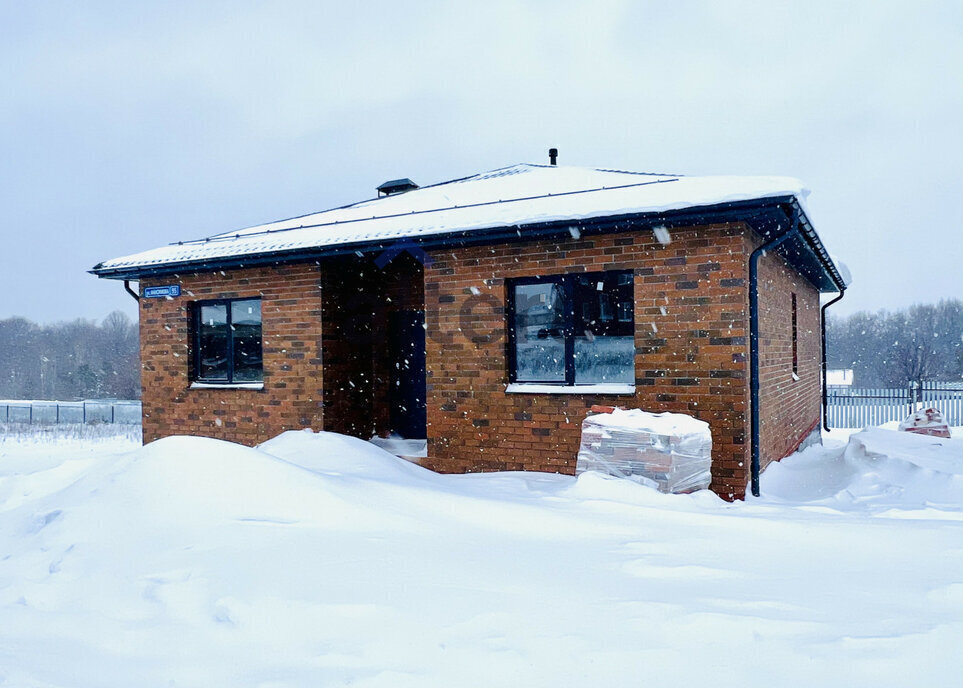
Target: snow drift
317	559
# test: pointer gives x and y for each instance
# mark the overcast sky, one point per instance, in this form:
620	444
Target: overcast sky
128	125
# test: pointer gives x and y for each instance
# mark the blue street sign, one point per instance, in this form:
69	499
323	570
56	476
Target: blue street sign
169	290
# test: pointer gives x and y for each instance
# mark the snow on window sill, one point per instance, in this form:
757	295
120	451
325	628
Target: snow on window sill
603	388
227	385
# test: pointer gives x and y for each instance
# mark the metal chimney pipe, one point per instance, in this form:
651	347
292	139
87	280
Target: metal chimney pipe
552	155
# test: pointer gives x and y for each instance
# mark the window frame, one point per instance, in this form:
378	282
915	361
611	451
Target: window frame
196	326
795	334
567	283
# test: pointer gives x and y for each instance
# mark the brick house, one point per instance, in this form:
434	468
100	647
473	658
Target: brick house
487	314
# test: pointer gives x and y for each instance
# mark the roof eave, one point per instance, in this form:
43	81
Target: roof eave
839	284
731	211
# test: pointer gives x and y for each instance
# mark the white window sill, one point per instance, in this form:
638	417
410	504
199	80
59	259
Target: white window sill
535	388
227	385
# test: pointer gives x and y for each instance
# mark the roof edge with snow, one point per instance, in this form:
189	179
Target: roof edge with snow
517	203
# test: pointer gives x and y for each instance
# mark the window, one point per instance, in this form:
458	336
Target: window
795	337
572	329
227	341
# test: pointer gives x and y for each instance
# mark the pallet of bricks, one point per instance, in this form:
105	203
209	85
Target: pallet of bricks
668	451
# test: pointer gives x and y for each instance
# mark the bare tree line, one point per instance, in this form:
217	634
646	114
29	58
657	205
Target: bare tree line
67	361
892	349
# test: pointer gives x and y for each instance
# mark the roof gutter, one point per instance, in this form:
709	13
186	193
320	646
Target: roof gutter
816	246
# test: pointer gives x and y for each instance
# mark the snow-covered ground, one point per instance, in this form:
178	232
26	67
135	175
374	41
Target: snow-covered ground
320	560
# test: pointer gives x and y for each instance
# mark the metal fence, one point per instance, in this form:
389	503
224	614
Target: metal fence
68	412
857	408
846	408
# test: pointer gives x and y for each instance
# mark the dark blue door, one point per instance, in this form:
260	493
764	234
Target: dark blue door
406	343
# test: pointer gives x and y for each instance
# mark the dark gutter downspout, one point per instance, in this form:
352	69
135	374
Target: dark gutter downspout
131	291
754	344
822	325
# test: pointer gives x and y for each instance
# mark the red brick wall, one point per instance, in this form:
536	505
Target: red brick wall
291	336
691	358
790	409
692	362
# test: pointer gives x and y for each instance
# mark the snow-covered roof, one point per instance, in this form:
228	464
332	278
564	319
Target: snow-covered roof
842	377
513	196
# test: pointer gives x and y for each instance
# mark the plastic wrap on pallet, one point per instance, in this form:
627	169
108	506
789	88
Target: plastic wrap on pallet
669	451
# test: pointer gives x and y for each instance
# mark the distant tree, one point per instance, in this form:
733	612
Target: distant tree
922	342
86	380
71	360
19	358
121	356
